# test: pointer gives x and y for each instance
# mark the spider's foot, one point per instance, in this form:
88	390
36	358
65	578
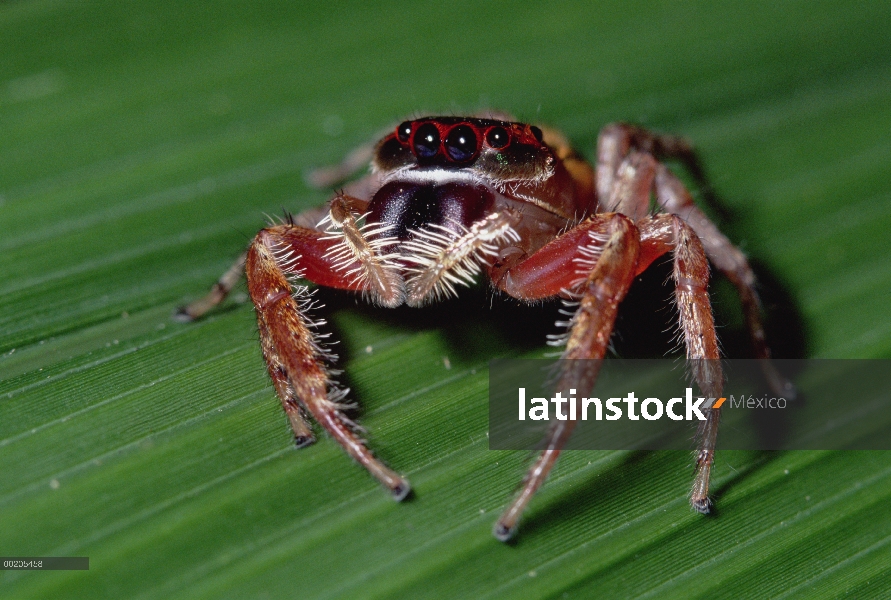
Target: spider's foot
401	490
701	505
502	532
302	441
183	315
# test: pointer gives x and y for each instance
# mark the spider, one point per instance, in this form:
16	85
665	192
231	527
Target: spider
450	197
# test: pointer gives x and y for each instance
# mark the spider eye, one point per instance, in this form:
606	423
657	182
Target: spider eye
537	133
498	137
426	141
461	143
403	132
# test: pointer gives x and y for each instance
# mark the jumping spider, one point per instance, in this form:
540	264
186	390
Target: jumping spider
448	197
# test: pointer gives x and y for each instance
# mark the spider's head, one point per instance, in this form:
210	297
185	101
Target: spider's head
493	151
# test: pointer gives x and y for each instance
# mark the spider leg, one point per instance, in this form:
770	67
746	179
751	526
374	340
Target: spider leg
660	234
672	195
616	143
219	291
341	216
345	256
607	259
223	287
616	140
630	192
291	348
303	435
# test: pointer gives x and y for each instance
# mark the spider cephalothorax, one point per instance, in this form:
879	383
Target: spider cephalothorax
451	197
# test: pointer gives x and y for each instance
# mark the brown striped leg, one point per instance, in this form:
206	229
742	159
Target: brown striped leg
303	435
660	234
289	344
674	197
600	294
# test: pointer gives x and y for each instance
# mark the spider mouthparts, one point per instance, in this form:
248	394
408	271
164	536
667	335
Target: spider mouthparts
502	532
401	491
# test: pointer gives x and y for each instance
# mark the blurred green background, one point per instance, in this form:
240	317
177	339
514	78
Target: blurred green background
141	145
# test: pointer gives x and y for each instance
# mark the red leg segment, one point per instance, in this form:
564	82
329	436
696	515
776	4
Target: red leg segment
554	269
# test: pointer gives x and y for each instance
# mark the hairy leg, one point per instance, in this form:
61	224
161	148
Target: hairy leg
289	344
441	258
303	435
342	256
341	218
672	195
612	252
360	252
617	143
661	234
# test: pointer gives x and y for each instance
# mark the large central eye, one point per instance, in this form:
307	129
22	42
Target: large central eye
426	141
461	143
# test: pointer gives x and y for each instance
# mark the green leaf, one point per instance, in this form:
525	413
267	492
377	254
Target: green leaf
143	143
